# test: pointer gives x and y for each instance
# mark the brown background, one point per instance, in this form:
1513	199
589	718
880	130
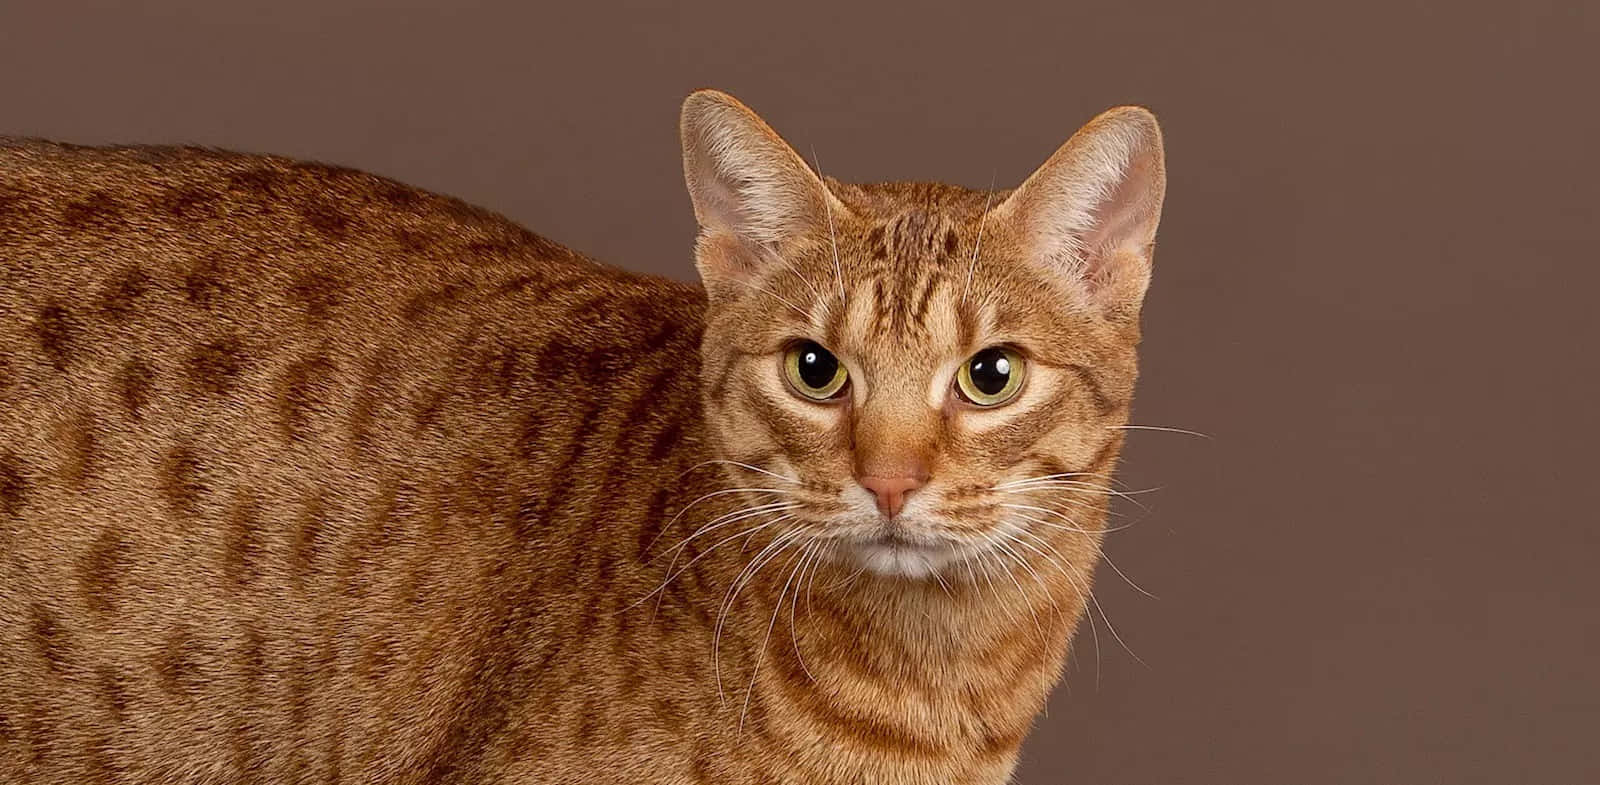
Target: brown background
1376	291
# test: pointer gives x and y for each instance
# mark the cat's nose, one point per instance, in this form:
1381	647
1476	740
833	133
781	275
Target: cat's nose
892	491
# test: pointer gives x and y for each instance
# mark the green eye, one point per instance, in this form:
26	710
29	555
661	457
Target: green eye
813	371
991	377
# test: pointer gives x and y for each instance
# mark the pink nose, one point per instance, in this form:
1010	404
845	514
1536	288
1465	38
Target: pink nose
891	492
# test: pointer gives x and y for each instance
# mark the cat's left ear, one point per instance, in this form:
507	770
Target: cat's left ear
754	196
1090	212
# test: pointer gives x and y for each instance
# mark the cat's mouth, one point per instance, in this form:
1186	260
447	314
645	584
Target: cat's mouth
897	550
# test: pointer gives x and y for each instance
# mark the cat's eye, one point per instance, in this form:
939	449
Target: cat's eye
991	377
813	371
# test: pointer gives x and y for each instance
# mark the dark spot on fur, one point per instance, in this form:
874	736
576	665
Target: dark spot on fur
123	293
133	384
13	485
398	195
489	252
103	566
325	217
307	386
179	667
99	211
423	302
113	687
79	438
378	657
49	639
318	292
253	660
214	367
411	240
181	482
428	408
880	250
42	744
245	544
262	183
950	242
56	333
203	284
188	203
308	540
499	369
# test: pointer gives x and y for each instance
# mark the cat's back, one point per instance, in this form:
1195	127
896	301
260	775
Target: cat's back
265	426
224	230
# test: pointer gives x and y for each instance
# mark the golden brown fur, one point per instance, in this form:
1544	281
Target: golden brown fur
308	476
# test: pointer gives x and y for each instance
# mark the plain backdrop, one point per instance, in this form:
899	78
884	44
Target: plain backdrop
1375	292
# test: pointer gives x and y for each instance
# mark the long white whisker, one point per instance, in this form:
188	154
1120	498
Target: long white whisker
771	551
674	575
792	269
812	552
1082	591
1000	547
725	520
827	206
1163	428
774	295
703	464
755	669
1125	577
982	219
713	494
1074	527
1090	490
1028	493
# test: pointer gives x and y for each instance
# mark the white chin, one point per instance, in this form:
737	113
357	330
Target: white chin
903	560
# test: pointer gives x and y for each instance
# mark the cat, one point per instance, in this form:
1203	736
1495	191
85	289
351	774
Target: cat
307	476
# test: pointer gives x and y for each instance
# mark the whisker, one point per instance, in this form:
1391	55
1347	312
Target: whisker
1091	490
812	552
982	219
1082	591
774	295
724	520
1062	475
1000	547
827	206
755	670
704	464
1029	492
687	507
1074	527
1162	428
785	262
762	557
672	576
1125	577
1063	527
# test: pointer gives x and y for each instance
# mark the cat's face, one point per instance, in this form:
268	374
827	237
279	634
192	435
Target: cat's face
918	374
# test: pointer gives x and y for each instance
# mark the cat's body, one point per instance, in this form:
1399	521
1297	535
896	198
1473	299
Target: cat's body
307	476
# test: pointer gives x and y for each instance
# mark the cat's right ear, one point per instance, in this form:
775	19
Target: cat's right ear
753	195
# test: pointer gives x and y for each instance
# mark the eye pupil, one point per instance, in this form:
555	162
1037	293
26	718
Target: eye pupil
817	366
990	370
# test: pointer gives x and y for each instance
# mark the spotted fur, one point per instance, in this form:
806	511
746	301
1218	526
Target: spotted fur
307	476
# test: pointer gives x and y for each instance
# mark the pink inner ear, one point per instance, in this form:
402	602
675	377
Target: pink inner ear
726	255
1123	221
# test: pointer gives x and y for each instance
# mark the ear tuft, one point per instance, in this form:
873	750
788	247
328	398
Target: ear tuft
1090	212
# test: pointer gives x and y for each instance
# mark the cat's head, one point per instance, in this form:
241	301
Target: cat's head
920	373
